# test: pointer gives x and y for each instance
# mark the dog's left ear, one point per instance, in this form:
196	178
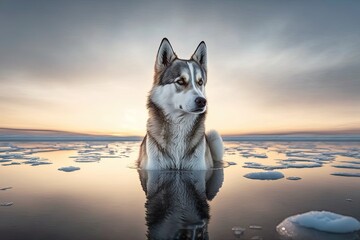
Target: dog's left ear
200	55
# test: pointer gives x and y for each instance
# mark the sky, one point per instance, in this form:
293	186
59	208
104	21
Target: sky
273	66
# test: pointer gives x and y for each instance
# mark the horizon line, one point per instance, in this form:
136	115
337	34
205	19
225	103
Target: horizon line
354	131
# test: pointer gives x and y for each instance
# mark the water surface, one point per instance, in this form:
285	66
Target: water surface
109	199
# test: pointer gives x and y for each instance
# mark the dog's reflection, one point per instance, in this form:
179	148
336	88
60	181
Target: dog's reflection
177	202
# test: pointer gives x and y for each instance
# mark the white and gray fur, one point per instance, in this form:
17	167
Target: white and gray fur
177	107
177	202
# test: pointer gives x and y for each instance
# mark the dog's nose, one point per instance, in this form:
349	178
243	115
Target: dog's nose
200	102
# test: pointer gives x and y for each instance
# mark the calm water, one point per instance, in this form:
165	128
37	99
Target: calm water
108	199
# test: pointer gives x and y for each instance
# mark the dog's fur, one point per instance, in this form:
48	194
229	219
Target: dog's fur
176	136
177	202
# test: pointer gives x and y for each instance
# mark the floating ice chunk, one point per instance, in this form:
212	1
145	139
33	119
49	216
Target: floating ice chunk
270	175
293	178
10	164
6	204
260	155
322	221
303	165
351	162
69	169
5	188
297	160
232	163
255	227
292	231
38	163
87	159
238	231
255	155
5	160
352	166
5	148
349	200
262	166
324	158
256	238
346	174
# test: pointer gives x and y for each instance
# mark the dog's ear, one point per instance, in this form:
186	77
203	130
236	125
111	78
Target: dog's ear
200	55
164	56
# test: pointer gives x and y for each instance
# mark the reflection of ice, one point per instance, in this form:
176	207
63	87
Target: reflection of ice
270	175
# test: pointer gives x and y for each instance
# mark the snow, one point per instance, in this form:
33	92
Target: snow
322	221
69	169
346	174
270	175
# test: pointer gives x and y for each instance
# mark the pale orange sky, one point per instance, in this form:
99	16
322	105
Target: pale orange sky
88	68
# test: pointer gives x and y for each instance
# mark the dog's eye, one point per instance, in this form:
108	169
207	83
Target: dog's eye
181	82
200	82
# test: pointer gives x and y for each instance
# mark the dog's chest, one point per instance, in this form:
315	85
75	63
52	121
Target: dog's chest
177	155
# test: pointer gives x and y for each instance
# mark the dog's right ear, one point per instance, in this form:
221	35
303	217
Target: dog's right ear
164	56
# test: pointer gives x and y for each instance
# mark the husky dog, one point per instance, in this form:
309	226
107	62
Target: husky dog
177	202
177	107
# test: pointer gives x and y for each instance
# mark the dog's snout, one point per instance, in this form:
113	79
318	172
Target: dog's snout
200	102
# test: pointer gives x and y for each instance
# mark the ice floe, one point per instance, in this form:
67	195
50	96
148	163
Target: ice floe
351	166
269	175
11	164
6	204
293	178
238	231
351	162
346	174
322	221
5	188
255	227
69	169
284	164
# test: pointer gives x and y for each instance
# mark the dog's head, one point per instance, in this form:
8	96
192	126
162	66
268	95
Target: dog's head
179	85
